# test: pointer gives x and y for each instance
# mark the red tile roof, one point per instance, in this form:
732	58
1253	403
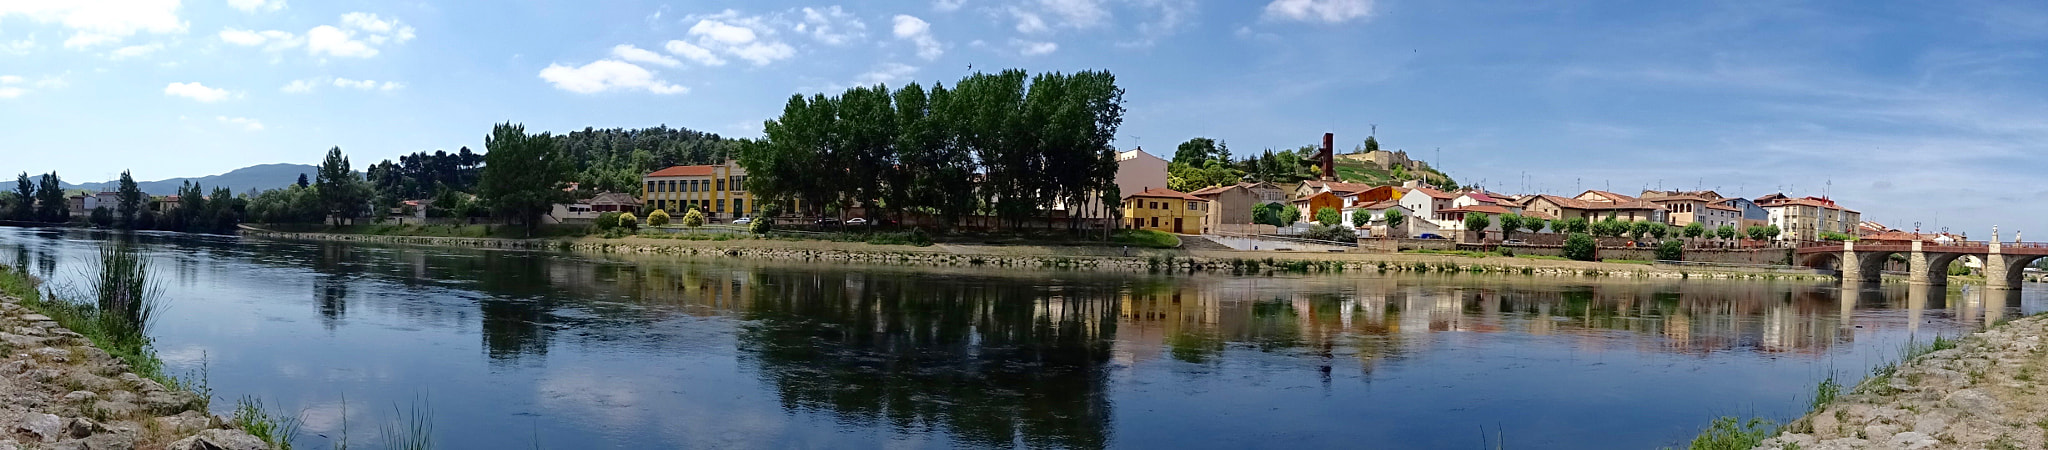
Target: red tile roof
1383	204
1210	190
1339	187
1723	207
1166	193
1489	209
683	171
1432	193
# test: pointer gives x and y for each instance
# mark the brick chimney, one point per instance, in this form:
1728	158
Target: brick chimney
1329	157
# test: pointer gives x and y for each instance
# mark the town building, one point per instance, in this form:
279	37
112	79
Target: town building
1137	170
1231	206
1752	215
1688	208
719	190
1167	210
1807	218
1342	189
1424	202
1310	204
1595	206
1376	221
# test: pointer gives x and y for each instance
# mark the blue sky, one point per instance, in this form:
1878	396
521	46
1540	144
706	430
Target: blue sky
1907	111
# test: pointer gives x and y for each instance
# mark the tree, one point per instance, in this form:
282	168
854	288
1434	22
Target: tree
130	198
102	217
1725	232
1662	230
50	203
1509	223
1672	250
341	191
1695	229
627	221
1580	247
607	220
1289	215
1756	232
1329	216
1372	144
692	219
302	181
1361	218
1772	231
25	194
523	174
1577	225
1394	218
1269	214
1478	222
660	218
1198	152
1643	228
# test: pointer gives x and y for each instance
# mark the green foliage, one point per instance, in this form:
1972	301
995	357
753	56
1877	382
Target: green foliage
292	204
1772	231
1145	238
1361	219
129	198
1957	268
1729	433
660	218
1394	217
1825	393
102	217
421	174
1834	236
761	225
627	221
1269	214
1643	228
117	317
1509	223
1695	229
23	208
1611	227
1672	250
275	429
1199	151
523	173
1190	178
1579	246
50	203
342	193
1725	232
1328	216
1322	232
1289	215
411	429
1577	225
691	219
607	220
1478	221
1756	232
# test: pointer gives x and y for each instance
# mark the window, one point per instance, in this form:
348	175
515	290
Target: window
721	185
1192	206
721	205
650	186
1155	222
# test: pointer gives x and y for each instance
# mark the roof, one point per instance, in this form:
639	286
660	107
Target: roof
1723	207
1165	193
1489	209
1539	215
1383	204
1211	190
613	198
1336	186
1808	201
683	171
1481	196
1573	203
1432	193
1681	198
1617	198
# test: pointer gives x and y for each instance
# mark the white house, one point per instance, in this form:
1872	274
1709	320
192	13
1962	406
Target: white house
1376	214
1425	202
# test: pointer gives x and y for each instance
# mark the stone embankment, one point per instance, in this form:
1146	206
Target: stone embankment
57	391
1986	393
1084	258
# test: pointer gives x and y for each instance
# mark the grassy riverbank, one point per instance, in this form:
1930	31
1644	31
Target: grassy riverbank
914	237
110	334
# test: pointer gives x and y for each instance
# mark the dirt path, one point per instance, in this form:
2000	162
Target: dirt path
1986	393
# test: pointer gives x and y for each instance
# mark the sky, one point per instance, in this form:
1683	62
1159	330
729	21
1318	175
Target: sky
1928	112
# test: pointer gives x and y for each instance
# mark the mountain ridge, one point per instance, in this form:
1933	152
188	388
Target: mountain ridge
259	177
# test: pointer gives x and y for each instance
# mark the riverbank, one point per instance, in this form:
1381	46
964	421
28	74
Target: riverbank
1984	391
59	390
1190	258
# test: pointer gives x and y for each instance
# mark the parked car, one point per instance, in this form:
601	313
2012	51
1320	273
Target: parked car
743	221
857	221
1513	241
1429	236
826	221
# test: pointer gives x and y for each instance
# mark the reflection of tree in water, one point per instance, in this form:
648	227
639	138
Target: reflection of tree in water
991	362
517	309
330	288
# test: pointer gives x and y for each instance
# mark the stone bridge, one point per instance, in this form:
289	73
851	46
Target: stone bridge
1927	262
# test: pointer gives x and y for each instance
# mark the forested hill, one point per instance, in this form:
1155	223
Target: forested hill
257	177
613	159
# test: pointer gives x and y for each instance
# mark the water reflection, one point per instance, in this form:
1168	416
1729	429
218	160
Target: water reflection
852	356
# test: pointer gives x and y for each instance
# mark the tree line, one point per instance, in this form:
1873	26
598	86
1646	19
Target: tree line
1010	145
44	200
1203	162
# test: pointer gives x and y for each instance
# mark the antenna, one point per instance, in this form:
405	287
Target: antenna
1375	131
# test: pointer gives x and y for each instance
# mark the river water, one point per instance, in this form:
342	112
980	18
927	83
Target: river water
510	349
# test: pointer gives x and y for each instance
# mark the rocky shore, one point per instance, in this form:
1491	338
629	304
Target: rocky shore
1076	258
1985	393
57	391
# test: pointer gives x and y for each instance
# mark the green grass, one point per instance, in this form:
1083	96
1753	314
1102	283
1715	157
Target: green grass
1826	392
1145	239
1730	433
410	430
121	337
278	430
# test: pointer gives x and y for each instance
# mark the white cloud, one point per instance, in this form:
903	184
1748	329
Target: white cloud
639	55
1034	48
887	73
251	6
196	91
10	79
751	38
1173	14
832	26
271	40
97	22
135	50
920	32
607	75
299	86
363	85
244	122
1041	16
358	36
11	91
1325	11
20	46
695	53
947	5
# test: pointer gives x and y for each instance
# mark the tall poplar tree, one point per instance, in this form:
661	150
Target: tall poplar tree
130	198
523	174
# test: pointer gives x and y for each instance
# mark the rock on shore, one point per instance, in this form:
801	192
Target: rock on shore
1987	393
57	391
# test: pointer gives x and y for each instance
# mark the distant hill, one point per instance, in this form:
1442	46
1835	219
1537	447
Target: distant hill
258	177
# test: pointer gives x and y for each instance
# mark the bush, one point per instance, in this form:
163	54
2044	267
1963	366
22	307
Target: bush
693	219
627	221
1329	216
660	217
607	221
1672	250
1329	233
761	225
1146	238
1579	247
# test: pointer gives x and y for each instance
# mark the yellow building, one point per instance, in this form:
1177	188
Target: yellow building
1165	210
718	190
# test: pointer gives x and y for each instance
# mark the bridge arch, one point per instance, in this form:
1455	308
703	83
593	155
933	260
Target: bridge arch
2016	268
1937	267
1822	260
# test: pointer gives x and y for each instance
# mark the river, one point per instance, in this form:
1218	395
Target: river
510	349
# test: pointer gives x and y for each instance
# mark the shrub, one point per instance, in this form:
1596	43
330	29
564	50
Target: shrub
1328	233
660	217
692	219
1672	250
627	221
607	221
1579	246
761	225
1361	219
1329	216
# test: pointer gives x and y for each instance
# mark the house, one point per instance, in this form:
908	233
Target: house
1868	228
1310	204
1137	170
1594	206
617	202
1752	215
1313	187
1805	219
1379	194
1454	218
1709	195
1425	202
1474	198
1376	213
720	190
1162	209
1232	205
1687	208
